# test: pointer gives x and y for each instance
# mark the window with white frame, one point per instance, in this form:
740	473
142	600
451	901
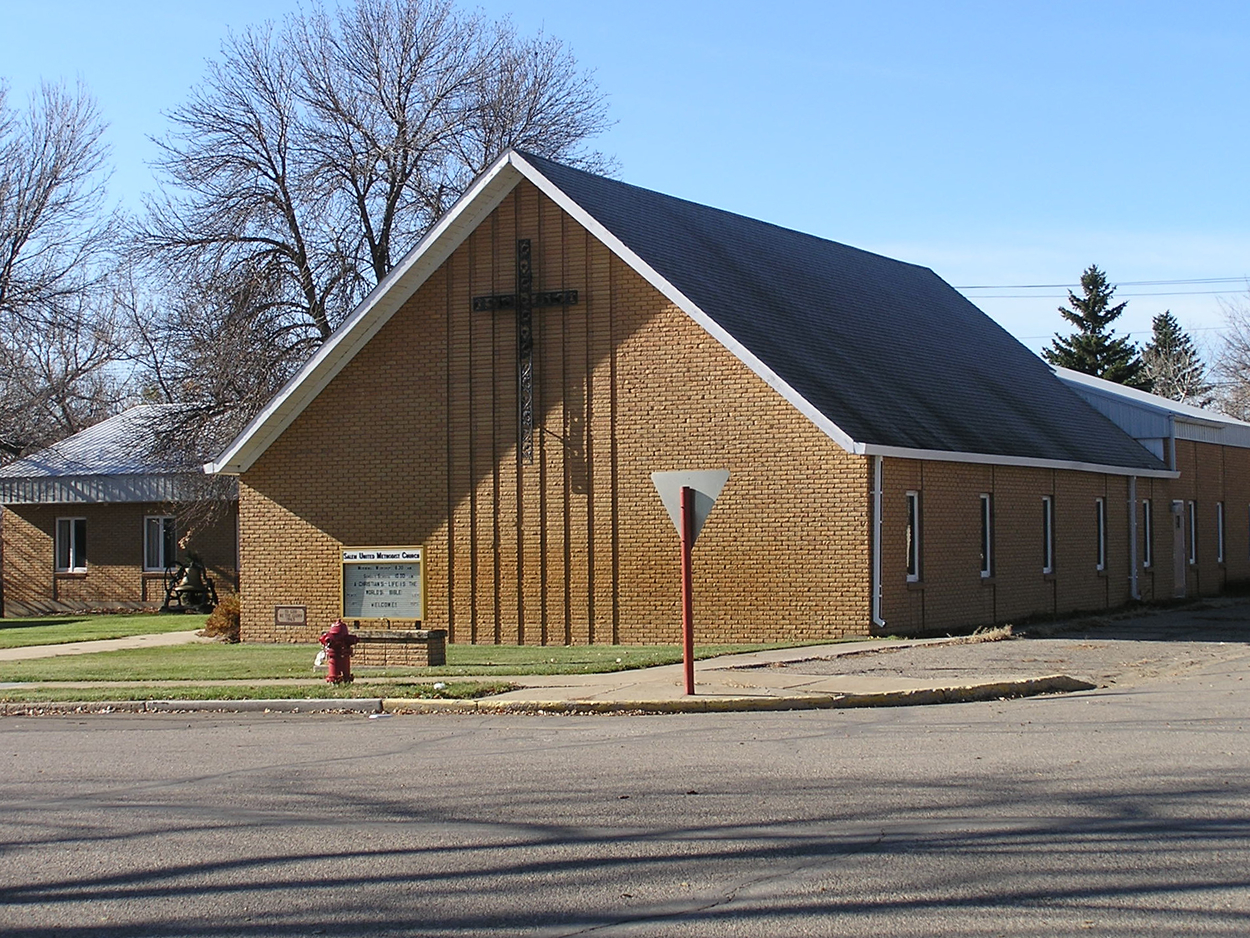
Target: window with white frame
71	545
1048	534
1100	528
160	544
1219	532
1193	532
1147	533
987	536
913	537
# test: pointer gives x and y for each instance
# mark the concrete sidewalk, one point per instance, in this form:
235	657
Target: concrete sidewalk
766	680
104	644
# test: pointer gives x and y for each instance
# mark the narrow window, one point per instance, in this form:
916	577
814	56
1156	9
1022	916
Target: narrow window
1219	532
1048	534
913	537
987	536
1100	523
159	544
1193	532
1147	531
71	545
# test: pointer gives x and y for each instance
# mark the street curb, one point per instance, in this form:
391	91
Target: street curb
968	693
964	693
288	705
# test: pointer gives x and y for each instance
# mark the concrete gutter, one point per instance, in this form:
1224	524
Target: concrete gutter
965	693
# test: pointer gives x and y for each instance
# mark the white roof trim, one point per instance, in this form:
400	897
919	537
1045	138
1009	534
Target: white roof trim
374	311
481	198
685	304
991	459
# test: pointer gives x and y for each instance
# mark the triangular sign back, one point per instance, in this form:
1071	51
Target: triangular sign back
707	484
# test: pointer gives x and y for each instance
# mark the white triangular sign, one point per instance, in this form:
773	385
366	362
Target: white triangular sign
706	483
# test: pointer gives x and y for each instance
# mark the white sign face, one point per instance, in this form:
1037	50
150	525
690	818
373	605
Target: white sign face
706	483
383	583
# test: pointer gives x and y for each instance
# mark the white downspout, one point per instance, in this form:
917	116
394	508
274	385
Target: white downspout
1132	538
876	542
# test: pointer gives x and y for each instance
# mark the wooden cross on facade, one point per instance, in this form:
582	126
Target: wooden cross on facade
523	301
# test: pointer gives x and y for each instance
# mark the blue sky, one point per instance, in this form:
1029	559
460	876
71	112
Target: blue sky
998	143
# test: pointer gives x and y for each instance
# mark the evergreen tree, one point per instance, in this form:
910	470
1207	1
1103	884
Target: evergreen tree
1172	363
1093	348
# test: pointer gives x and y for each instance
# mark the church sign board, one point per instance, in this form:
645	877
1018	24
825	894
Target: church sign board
383	583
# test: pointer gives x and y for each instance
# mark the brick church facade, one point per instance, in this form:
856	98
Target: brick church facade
515	446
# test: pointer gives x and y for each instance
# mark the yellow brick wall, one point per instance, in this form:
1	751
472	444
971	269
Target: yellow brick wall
415	442
1211	474
953	594
114	555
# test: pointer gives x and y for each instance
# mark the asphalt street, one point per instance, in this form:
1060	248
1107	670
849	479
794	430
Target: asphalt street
1121	811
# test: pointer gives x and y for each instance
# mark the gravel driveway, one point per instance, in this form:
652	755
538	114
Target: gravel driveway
1120	651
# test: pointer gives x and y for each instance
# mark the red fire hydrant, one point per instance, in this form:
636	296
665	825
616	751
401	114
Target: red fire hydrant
338	644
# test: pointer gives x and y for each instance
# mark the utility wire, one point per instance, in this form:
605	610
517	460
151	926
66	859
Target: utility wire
1025	338
1125	283
1047	296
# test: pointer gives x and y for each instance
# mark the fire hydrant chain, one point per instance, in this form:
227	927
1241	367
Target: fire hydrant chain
338	642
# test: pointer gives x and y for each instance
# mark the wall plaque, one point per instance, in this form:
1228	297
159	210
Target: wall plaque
290	616
383	583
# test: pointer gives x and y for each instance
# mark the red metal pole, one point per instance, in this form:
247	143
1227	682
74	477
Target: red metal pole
687	584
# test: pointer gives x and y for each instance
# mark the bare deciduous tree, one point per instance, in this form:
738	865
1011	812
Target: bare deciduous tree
1230	362
316	152
56	380
57	337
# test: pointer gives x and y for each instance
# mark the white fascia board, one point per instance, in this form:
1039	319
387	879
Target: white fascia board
373	312
686	305
1027	462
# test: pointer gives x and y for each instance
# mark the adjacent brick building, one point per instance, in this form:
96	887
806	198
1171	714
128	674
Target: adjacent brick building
502	397
94	523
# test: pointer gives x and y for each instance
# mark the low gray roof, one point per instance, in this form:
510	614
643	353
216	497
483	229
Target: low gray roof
120	445
113	461
1146	416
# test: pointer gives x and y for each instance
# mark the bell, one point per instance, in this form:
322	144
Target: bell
190	588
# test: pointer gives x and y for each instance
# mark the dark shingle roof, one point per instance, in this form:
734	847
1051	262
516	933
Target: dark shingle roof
886	350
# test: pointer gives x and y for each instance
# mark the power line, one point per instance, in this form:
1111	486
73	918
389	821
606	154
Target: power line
1026	338
1060	296
1127	283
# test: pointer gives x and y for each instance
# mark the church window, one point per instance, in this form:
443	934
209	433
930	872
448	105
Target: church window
1100	527
913	537
987	536
1048	534
1193	533
1147	532
1219	532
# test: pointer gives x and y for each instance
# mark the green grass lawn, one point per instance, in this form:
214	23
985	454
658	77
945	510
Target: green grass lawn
57	630
209	662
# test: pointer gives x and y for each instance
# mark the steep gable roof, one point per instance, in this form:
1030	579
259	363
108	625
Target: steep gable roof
883	356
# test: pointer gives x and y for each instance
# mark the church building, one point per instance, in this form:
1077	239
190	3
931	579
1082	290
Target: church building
473	448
